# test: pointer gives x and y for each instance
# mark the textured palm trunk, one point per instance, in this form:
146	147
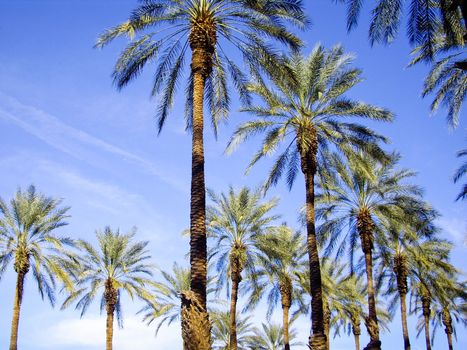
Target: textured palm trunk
356	330
202	42
17	310
111	299
426	304
286	290
236	278
327	322
405	330
109	327
365	228
447	321
401	271
317	340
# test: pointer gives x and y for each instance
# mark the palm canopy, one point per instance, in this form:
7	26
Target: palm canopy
27	237
447	77
235	220
460	173
221	330
424	20
358	189
165	306
270	337
281	259
164	30
119	264
308	111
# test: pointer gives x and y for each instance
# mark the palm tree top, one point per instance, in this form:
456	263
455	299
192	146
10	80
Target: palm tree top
306	107
163	30
27	237
118	263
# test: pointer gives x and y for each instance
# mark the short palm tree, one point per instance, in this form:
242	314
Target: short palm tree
166	305
118	265
429	274
280	260
221	330
235	219
270	337
363	199
27	229
460	174
447	309
166	30
306	108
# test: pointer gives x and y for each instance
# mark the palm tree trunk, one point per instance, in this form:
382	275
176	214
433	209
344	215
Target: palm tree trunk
405	330
357	341
286	290
356	332
365	227
449	335
447	321
233	312
426	301
16	310
202	43
285	321
317	340
109	327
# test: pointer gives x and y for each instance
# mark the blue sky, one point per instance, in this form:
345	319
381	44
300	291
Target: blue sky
65	128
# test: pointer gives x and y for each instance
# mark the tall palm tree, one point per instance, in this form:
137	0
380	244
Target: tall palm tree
221	330
364	199
281	259
270	337
306	108
119	264
235	219
166	30
27	229
460	173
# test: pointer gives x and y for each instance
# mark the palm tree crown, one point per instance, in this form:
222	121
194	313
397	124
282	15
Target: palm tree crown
166	29
118	265
27	237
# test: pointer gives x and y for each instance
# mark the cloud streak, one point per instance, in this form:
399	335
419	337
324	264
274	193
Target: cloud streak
72	141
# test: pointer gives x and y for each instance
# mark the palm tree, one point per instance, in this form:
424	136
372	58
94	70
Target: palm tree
166	305
281	259
306	107
349	316
270	337
429	274
27	230
118	265
235	219
364	199
167	29
424	20
221	330
460	173
448	309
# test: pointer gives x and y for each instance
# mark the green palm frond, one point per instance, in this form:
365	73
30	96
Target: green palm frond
27	238
461	173
311	97
159	30
117	260
234	222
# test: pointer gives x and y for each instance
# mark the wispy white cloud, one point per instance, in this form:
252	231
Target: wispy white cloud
455	227
89	333
72	141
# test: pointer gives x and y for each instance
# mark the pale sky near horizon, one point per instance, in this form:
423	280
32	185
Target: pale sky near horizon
65	128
